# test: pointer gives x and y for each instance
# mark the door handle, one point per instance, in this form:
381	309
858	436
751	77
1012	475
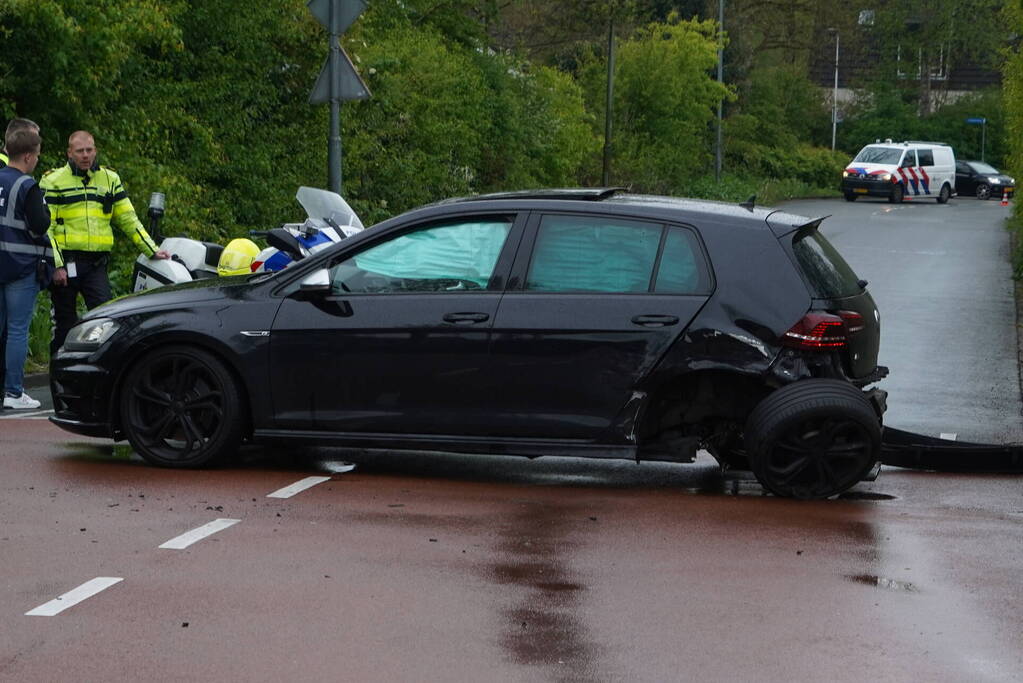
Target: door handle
655	320
466	318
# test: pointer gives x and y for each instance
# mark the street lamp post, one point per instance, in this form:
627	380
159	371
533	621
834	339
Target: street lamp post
834	96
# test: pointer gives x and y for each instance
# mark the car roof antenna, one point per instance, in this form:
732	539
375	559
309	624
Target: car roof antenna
748	204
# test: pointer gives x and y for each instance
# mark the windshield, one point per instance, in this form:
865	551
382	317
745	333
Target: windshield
879	155
981	167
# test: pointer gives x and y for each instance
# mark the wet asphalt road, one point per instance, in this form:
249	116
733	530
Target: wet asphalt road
429	567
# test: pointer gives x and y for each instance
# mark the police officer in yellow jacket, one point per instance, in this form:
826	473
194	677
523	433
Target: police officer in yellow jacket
85	200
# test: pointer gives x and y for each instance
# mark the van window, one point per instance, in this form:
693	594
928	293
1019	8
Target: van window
878	155
827	273
909	160
926	157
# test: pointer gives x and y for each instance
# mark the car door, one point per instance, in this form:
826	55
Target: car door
399	343
966	181
593	304
908	173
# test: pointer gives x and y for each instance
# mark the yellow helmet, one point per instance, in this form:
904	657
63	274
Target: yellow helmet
237	257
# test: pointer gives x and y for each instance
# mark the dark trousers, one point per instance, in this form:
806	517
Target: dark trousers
90	281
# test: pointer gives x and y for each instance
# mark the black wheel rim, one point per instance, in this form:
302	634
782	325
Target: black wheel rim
819	458
175	408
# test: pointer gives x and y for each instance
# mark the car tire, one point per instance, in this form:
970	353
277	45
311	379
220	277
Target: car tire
181	407
897	194
983	191
850	197
945	194
813	439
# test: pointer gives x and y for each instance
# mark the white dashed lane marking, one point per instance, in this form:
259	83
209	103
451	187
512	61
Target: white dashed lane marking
73	597
297	487
188	538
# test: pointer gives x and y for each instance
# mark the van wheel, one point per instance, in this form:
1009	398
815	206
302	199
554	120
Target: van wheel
850	197
897	194
983	191
945	194
814	438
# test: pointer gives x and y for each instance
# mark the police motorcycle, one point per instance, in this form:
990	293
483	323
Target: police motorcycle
329	219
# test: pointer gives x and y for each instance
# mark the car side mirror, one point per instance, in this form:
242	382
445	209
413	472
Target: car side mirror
281	239
316	281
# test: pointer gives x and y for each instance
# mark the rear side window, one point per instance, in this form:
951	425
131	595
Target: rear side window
829	276
926	157
600	254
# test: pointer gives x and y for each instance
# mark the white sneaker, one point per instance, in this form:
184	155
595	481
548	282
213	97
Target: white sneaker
23	402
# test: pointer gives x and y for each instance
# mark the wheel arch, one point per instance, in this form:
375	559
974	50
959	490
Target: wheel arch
212	346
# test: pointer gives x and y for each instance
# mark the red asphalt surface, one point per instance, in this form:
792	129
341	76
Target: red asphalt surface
432	567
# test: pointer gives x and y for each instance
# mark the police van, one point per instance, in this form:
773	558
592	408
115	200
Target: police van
901	170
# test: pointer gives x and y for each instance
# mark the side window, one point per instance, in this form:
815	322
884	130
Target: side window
926	157
448	257
681	269
909	160
961	167
593	254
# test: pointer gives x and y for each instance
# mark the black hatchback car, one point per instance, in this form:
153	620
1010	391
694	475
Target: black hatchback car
981	180
559	322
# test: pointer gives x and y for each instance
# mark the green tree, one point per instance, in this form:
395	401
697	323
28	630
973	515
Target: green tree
664	101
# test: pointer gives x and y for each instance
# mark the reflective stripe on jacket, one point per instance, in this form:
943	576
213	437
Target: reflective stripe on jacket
85	206
20	249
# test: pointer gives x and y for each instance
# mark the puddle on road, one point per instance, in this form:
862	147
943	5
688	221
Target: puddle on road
887	584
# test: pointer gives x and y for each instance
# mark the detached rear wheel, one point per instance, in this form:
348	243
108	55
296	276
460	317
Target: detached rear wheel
813	439
180	407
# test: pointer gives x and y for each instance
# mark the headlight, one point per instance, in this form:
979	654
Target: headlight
886	176
845	174
90	335
994	181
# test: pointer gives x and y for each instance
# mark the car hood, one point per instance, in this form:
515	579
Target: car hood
172	296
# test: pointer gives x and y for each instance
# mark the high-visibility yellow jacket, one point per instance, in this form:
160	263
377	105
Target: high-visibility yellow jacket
84	206
3	159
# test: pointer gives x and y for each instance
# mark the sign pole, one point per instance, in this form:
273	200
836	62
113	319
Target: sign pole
334	142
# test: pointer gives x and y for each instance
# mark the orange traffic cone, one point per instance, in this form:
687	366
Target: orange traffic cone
1005	197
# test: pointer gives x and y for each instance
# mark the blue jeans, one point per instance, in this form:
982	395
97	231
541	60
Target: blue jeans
17	303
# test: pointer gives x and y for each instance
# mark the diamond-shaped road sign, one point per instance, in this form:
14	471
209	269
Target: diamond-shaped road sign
345	14
350	85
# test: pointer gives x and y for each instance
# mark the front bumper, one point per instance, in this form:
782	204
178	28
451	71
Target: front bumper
867	187
81	392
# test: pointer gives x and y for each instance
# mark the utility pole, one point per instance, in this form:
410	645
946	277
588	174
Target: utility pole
721	79
609	101
834	96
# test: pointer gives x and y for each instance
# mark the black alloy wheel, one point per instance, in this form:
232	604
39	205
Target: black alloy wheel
983	191
897	194
813	439
180	407
944	194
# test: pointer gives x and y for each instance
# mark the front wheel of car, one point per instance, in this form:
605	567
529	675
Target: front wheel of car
181	407
813	439
983	191
944	194
897	194
850	197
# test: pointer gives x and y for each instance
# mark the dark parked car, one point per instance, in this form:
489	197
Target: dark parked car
976	178
559	322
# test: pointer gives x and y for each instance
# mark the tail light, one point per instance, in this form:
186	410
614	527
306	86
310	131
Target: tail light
818	330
